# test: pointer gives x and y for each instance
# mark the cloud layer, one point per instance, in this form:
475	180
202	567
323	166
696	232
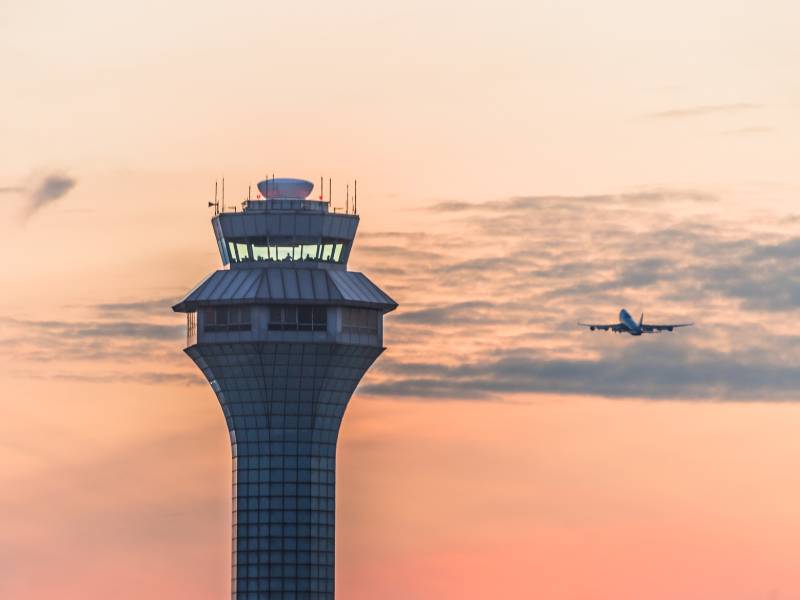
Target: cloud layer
491	297
490	294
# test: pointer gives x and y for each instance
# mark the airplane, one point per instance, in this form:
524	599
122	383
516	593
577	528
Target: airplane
628	325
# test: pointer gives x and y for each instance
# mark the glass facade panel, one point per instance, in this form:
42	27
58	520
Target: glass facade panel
227	318
284	253
304	319
260	252
289	317
360	321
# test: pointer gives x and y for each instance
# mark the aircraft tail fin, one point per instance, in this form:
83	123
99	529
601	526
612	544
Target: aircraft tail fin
641	321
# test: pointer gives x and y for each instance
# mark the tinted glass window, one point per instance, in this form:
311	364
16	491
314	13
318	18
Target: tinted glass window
360	321
286	249
227	318
290	317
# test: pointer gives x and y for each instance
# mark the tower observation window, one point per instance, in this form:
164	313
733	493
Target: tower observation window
360	321
298	318
286	249
227	318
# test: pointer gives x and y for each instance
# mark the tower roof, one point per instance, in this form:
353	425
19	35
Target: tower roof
275	286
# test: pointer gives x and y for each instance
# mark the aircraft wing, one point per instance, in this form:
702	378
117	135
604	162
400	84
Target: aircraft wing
648	328
604	327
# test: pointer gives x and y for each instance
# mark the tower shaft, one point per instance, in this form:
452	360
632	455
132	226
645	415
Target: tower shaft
283	403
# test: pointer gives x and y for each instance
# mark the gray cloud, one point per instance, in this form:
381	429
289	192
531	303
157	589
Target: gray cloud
144	377
571	204
659	369
48	190
695	259
708	109
118	341
158	306
108	329
459	312
42	192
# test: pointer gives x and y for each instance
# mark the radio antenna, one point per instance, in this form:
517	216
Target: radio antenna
223	194
215	204
321	188
330	193
355	198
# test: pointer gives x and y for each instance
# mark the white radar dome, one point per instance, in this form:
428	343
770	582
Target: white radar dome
286	187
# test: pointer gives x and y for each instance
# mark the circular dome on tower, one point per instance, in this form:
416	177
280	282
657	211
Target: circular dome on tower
285	188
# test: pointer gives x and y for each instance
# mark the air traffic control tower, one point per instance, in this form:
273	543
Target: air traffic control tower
284	333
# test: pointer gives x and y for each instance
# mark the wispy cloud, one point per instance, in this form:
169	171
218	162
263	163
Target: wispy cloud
158	306
48	190
748	130
652	195
107	329
659	369
703	110
191	377
42	191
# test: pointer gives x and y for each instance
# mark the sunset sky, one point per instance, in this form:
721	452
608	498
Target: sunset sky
521	166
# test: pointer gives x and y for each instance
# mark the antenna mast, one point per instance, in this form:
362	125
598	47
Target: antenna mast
223	194
355	198
215	204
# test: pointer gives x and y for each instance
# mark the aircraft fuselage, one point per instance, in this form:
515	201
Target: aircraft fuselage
626	319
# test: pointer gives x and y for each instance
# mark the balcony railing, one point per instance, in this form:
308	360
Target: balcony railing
191	329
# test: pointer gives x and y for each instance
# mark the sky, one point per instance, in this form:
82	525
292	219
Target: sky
521	166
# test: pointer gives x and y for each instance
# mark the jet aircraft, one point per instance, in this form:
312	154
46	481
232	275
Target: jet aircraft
628	325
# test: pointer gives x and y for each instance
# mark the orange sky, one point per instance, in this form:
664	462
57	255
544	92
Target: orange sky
521	166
